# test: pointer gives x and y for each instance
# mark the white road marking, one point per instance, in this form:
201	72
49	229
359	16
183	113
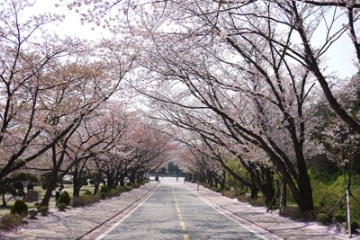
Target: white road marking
125	217
236	219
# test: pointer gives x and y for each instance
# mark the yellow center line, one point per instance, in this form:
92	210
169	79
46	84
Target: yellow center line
182	226
177	208
181	220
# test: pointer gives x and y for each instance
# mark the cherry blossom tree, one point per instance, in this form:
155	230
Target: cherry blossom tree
142	148
340	142
84	86
253	120
147	148
300	21
97	135
244	69
27	54
328	13
271	90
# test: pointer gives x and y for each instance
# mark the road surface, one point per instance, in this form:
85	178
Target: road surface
175	212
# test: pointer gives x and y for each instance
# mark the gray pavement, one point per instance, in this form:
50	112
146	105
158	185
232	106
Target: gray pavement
272	222
182	214
174	212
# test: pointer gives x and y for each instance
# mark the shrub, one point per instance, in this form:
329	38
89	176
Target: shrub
128	188
104	189
229	194
324	196
323	218
142	182
215	189
125	188
65	198
114	193
103	195
62	206
87	192
340	218
133	185
136	185
19	207
292	212
10	221
259	201
85	199
105	192
353	226
43	210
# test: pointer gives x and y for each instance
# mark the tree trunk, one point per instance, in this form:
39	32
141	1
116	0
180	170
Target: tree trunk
253	188
76	182
76	190
223	180
97	182
254	192
3	200
304	185
132	177
210	179
269	186
282	197
54	174
300	187
110	180
140	177
50	188
122	179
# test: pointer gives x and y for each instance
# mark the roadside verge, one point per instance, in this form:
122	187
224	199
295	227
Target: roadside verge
279	226
79	223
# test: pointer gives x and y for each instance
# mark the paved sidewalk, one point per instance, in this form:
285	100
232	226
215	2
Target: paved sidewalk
76	222
272	222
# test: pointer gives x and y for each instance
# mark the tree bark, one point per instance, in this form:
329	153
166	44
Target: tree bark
76	182
97	182
50	188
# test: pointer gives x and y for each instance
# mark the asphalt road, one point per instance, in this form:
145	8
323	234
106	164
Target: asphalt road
171	210
174	212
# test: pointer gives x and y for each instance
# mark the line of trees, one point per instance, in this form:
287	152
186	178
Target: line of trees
245	81
248	77
61	108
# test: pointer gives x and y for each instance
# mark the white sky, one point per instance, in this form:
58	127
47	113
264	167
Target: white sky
339	60
71	26
340	56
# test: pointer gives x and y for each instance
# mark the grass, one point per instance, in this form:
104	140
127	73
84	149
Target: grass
325	195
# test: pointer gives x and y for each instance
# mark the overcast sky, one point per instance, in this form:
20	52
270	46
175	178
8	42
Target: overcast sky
71	26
